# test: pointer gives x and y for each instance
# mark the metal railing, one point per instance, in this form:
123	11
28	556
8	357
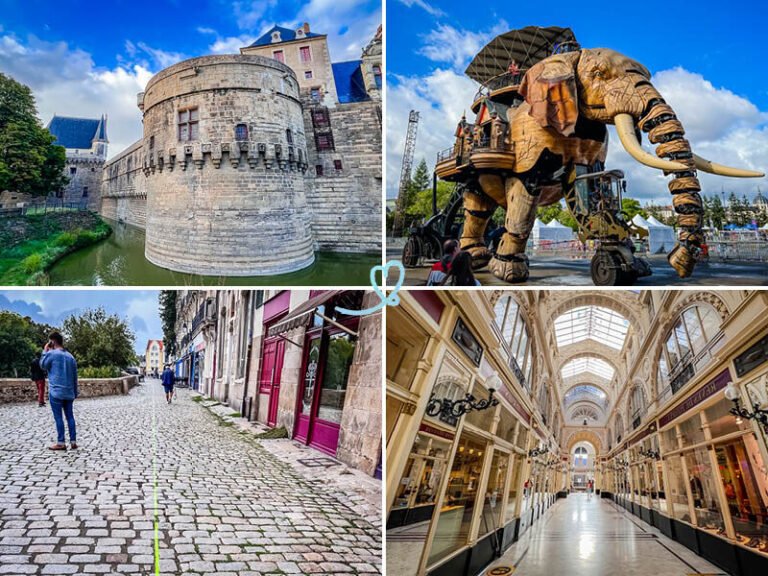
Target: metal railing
505	80
48	206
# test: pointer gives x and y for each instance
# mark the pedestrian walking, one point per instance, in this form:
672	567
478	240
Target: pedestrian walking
167	380
62	388
37	375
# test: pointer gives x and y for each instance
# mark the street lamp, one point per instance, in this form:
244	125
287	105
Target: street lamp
731	392
456	408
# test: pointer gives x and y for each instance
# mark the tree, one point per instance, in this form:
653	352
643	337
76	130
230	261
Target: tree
421	208
19	344
420	181
632	207
717	216
29	161
548	213
167	300
97	339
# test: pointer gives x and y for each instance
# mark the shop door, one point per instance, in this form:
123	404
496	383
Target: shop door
324	389
269	381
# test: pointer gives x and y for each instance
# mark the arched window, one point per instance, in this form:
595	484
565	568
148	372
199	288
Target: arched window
619	429
689	337
241	132
580	456
288	136
637	405
515	336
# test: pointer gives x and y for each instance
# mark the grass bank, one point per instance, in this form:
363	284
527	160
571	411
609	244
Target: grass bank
30	245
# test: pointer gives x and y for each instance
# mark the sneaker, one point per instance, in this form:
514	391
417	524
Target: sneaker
73	446
57	447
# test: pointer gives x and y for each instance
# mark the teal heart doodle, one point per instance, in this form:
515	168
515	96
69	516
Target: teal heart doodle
392	300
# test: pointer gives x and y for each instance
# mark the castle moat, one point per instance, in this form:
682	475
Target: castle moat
119	261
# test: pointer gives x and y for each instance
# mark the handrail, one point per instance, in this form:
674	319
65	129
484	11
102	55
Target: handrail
503	80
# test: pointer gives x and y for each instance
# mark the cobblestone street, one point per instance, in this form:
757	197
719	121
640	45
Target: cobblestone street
226	505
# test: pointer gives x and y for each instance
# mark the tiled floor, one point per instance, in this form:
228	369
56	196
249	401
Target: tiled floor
593	537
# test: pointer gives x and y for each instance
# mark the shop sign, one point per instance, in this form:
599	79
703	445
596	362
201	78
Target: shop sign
509	397
713	386
753	357
435	431
430	301
467	342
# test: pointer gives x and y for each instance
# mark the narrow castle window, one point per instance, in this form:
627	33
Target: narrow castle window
308	74
377	76
72	170
85	191
241	132
337	165
321	118
314	94
279	56
188	124
324	142
288	136
319	169
305	54
151	142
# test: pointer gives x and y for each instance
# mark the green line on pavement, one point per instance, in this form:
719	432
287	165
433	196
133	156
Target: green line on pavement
154	488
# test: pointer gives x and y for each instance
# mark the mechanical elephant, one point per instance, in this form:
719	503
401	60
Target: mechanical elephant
564	103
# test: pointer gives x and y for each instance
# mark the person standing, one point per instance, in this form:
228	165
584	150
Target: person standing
167	380
62	387
37	375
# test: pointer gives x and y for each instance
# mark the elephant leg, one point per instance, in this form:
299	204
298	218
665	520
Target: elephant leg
510	262
478	209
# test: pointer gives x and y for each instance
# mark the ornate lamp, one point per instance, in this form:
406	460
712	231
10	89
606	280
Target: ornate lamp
731	392
537	452
448	408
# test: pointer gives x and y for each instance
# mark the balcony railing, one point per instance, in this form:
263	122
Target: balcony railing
505	80
446	154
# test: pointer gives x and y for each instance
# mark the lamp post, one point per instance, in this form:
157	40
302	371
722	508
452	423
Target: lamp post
732	393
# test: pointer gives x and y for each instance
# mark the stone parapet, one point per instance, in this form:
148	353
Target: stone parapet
24	390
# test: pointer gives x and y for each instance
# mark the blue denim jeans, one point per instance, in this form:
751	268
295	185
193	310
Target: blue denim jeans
58	406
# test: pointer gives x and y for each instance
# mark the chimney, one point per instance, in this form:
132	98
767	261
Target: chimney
306	28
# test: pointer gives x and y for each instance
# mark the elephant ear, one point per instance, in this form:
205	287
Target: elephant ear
549	87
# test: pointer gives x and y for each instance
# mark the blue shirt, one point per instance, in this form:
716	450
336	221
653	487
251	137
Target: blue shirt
62	374
167	378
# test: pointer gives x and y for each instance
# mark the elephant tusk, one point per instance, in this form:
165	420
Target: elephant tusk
706	166
625	127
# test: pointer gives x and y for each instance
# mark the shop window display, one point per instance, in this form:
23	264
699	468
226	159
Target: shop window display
506	428
423	473
493	514
721	421
514	486
677	494
452	529
701	479
341	350
691	431
745	483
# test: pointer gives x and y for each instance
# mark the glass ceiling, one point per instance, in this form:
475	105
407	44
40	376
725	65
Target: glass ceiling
591	322
585	392
596	366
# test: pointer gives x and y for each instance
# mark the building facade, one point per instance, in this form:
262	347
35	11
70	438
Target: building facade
154	357
276	140
85	142
616	390
290	359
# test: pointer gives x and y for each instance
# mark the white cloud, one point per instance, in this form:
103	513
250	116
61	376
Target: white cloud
720	125
231	44
424	6
249	14
161	58
66	81
455	46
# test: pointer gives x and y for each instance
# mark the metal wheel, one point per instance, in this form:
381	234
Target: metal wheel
604	269
411	252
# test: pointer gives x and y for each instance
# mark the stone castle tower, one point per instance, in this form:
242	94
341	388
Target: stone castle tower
85	141
251	162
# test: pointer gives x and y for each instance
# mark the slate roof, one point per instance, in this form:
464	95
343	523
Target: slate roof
350	86
77	132
286	35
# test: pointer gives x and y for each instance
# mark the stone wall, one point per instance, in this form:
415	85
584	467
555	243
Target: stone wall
124	188
361	421
24	390
346	203
226	201
88	174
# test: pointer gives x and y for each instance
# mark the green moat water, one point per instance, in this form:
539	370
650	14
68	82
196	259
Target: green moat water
119	261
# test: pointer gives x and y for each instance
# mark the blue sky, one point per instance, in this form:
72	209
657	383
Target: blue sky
139	307
85	58
706	58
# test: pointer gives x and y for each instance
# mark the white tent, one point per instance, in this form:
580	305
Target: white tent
661	238
545	234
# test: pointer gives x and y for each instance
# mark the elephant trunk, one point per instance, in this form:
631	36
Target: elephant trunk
665	130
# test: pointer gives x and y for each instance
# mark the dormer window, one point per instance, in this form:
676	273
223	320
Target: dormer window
300	33
276	36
